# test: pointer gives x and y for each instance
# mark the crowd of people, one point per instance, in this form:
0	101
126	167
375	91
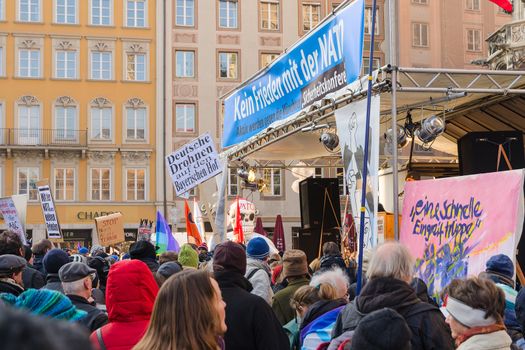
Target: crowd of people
243	297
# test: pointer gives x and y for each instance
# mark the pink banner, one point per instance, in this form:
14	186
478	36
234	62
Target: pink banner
452	226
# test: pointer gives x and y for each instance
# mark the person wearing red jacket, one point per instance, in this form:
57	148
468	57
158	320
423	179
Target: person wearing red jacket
130	295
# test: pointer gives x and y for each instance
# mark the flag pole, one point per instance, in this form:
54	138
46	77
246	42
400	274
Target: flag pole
365	158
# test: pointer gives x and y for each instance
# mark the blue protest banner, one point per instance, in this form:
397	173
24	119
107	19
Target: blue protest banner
326	60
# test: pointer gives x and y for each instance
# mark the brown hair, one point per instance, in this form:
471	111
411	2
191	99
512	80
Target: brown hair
10	243
168	256
42	247
331	248
308	295
479	293
184	316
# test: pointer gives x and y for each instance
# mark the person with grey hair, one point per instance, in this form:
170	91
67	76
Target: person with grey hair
389	273
337	278
77	278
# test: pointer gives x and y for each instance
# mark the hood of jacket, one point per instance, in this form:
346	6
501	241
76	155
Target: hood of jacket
320	308
330	261
130	291
232	279
52	278
385	292
252	263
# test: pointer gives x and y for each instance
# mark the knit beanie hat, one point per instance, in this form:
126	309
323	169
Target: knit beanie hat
391	326
294	263
142	250
203	246
257	248
188	257
54	260
83	250
501	264
169	268
45	302
95	249
229	256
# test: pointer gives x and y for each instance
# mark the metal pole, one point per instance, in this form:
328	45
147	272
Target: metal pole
164	97
365	158
392	35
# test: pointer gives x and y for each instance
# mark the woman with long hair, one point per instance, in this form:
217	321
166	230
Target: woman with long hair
189	314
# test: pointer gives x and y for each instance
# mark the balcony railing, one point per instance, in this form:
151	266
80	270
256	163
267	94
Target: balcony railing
43	137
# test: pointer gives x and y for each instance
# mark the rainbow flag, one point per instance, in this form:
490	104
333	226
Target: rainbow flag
165	240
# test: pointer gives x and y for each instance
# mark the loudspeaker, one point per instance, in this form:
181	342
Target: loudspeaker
478	151
312	197
308	240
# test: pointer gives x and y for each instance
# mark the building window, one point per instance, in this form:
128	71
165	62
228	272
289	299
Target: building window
368	21
136	123
29	63
66	11
311	16
267	58
185	15
272	178
420	34
136	66
233	182
473	5
318	173
101	12
65	184
366	63
136	13
185	64
340	172
2	73
66	64
228	65
2	10
420	2
136	184
65	122
101	65
100	184
29	10
28	125
474	40
185	117
228	13
269	12
27	179
101	123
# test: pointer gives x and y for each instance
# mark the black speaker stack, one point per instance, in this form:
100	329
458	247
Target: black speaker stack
317	196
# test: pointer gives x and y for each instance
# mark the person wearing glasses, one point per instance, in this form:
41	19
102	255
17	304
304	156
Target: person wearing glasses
77	282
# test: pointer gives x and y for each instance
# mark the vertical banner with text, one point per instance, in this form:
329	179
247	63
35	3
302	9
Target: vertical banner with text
49	211
8	209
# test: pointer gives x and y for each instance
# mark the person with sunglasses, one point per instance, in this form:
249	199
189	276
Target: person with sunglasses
77	282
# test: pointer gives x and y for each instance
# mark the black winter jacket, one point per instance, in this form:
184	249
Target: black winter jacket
252	325
427	324
11	288
95	318
32	278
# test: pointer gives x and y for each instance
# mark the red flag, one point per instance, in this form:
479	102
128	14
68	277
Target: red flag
504	4
191	228
239	234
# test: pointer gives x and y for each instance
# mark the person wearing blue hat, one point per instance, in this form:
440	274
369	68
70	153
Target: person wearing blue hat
258	271
83	251
53	261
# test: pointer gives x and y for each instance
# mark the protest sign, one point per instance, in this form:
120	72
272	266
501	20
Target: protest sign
193	163
8	209
351	128
110	229
49	212
327	59
452	226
